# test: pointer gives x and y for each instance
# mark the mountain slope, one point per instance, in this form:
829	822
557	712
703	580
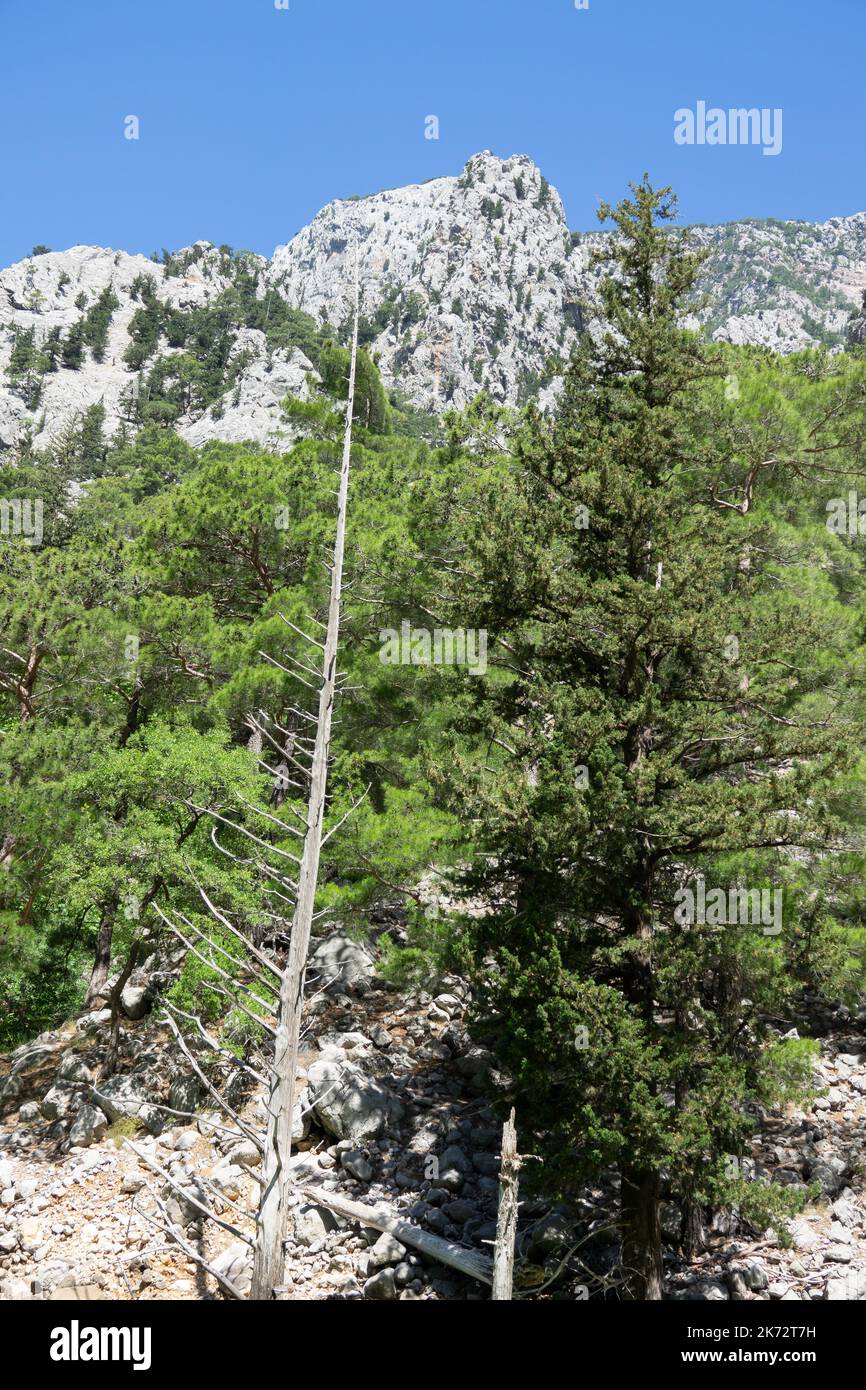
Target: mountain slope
467	283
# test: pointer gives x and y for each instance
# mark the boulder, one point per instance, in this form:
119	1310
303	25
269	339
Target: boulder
381	1285
10	1088
30	1234
123	1097
60	1102
92	1022
236	1265
831	1174
850	1289
349	1104
386	1251
339	961
136	1000
88	1127
355	1163
72	1068
33	1055
553	1235
184	1093
14	1291
704	1291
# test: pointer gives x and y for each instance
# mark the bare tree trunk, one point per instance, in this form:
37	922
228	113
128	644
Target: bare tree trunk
102	961
114	1001
506	1217
641	1241
273	1216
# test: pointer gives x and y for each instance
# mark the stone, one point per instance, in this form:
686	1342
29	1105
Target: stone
33	1056
123	1097
229	1178
838	1254
235	1264
30	1233
804	1237
59	1102
92	1022
475	1064
552	1235
460	1211
339	961
312	1224
184	1093
88	1127
73	1068
10	1089
246	1154
14	1291
77	1293
136	1000
381	1285
448	1004
851	1288
756	1275
845	1212
29	1112
830	1173
356	1165
181	1211
704	1291
387	1250
348	1104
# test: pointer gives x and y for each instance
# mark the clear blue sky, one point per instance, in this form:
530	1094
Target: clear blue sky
252	118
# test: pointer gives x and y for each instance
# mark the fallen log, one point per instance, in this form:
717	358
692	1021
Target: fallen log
446	1252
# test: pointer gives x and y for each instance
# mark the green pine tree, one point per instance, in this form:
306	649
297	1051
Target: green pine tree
660	706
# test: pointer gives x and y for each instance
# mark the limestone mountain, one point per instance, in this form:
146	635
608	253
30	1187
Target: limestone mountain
468	282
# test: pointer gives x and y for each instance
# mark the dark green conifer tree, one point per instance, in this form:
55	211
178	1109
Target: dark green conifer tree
660	704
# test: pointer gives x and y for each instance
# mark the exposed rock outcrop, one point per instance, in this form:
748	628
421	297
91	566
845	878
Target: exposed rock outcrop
467	282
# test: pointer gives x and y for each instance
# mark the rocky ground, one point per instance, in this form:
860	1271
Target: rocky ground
392	1111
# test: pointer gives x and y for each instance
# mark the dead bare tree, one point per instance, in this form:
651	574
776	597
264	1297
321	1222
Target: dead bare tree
506	1220
242	970
269	1261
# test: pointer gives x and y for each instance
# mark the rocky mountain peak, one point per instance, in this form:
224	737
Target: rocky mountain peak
463	278
468	282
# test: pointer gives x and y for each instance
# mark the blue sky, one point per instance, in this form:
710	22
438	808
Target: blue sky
251	118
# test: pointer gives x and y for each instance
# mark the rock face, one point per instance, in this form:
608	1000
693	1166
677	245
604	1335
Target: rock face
467	282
